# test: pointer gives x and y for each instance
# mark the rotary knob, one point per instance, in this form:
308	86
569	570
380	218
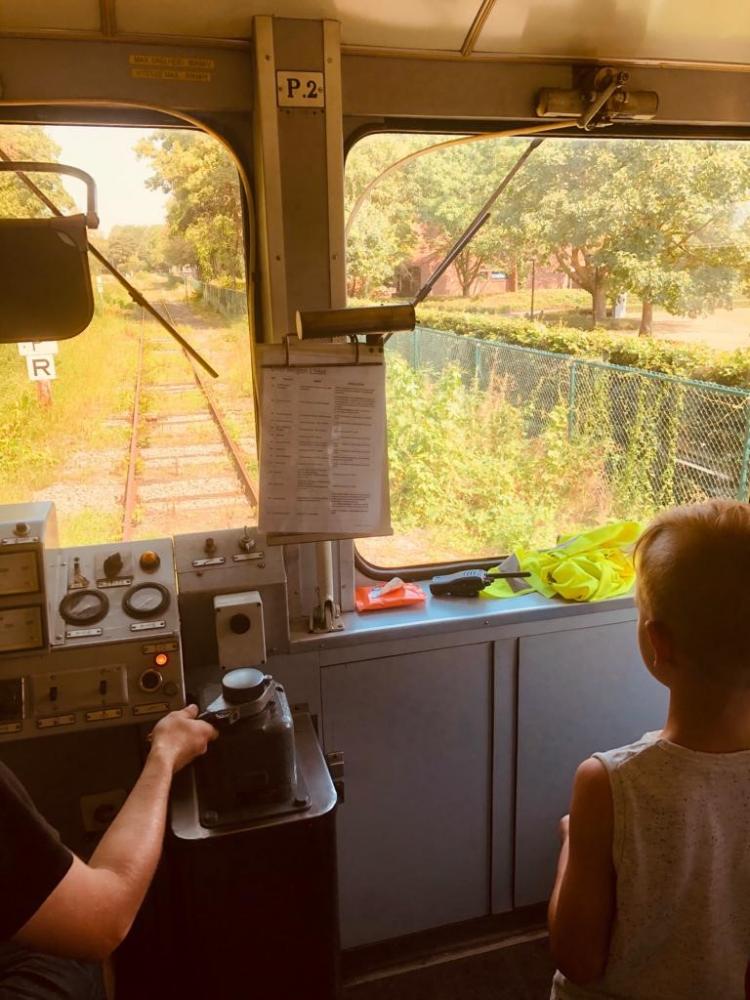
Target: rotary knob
112	565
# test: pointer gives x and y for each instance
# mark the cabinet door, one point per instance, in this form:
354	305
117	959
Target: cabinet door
578	692
414	831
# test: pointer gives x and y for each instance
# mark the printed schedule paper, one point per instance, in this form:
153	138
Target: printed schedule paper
323	465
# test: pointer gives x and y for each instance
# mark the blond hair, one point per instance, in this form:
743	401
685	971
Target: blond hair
693	575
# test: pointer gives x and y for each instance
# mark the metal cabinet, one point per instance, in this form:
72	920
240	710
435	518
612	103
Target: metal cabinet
414	830
578	691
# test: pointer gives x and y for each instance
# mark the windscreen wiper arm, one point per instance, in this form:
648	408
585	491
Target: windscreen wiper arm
475	225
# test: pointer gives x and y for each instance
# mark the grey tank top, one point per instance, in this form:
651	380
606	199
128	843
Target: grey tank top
681	850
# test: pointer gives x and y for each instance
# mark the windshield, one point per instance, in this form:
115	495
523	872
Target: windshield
128	436
586	358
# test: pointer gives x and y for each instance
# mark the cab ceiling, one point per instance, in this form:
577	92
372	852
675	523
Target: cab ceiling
674	31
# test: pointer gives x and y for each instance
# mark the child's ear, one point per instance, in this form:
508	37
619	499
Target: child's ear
660	638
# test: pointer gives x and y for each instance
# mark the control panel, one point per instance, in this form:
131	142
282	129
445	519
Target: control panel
25	530
110	651
112	593
233	601
97	636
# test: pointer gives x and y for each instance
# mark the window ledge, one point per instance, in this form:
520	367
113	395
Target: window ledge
440	615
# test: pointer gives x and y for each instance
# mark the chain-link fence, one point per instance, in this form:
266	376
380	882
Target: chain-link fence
230	302
665	439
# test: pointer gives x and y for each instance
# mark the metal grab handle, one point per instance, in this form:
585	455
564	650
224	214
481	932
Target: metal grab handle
27	166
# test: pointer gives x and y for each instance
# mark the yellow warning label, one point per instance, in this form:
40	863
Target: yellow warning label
152	73
188	69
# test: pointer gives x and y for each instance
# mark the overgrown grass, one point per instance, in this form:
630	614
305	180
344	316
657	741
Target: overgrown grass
461	460
89	524
96	375
489	472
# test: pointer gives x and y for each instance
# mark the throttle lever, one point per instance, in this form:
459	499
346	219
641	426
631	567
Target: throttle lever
222	719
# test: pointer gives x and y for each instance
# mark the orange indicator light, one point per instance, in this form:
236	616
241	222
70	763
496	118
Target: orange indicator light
161	659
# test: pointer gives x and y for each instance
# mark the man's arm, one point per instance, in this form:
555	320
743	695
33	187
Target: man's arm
91	910
582	906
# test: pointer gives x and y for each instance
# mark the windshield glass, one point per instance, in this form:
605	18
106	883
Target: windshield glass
585	359
128	436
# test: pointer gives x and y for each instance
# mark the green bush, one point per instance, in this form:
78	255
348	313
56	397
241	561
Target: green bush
461	461
547	299
694	361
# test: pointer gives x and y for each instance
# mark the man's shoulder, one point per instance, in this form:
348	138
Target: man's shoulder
11	788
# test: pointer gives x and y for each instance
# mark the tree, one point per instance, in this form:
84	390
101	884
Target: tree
30	142
454	184
682	245
204	209
569	206
385	233
656	219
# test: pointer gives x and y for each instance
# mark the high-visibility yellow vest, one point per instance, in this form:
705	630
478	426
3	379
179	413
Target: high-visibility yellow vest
590	566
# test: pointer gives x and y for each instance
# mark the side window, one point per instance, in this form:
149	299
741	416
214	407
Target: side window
585	359
130	438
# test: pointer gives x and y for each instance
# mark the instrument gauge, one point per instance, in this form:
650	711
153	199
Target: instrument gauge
146	600
84	607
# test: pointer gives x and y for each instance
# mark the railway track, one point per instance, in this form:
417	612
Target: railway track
185	468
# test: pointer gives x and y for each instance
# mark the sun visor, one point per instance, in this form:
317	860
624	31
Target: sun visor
45	282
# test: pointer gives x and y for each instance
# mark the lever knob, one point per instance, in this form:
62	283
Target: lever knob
112	565
243	685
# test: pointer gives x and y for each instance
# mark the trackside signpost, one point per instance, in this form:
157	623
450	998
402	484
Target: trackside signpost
40	366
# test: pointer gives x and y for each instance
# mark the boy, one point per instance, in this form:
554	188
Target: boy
652	896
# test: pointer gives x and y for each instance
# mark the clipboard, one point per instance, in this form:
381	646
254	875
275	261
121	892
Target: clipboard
323	445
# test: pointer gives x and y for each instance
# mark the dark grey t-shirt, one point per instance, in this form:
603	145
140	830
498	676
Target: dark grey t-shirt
33	861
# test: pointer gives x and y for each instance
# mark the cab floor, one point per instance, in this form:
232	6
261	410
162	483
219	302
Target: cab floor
518	972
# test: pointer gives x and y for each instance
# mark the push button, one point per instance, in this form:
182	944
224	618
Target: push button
149	561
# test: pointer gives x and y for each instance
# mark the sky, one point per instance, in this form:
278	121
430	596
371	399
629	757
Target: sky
107	154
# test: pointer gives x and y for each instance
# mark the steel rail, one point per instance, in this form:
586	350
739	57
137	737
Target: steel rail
249	488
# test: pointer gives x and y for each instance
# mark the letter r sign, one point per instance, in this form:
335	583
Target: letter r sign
41	367
300	89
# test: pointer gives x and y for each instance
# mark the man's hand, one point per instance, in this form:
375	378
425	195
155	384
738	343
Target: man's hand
92	908
179	737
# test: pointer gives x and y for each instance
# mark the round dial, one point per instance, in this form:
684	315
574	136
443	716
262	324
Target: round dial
146	600
84	607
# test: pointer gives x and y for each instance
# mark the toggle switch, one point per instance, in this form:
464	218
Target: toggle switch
103	685
53	692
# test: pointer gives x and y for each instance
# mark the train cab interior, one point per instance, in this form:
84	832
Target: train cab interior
247	440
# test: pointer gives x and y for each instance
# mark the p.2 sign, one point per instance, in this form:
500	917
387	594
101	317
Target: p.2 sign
300	89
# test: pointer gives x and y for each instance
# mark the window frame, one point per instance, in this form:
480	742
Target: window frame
423	126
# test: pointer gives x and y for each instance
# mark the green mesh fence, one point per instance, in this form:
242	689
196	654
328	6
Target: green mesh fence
666	439
230	302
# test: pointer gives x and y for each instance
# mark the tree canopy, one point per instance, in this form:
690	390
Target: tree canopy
29	142
204	214
664	220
